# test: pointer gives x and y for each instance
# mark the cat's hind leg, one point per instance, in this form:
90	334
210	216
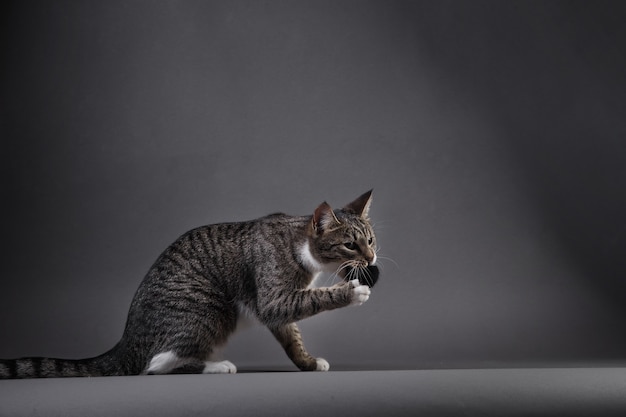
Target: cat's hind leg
169	362
165	362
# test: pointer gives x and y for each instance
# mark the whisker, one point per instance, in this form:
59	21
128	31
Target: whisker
335	274
367	276
329	280
343	266
386	258
380	224
349	275
352	273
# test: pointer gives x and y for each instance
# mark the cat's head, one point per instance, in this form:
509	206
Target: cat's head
344	237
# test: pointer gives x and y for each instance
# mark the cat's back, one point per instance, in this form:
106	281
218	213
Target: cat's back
280	227
263	228
225	243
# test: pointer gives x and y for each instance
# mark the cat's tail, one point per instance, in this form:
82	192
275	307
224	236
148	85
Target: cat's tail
103	365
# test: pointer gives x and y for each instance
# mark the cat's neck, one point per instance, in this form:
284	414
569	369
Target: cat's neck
308	260
311	264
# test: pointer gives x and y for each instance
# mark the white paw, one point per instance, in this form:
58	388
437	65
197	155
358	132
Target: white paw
223	367
322	365
360	293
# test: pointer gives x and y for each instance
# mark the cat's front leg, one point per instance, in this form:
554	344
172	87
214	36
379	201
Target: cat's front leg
290	306
290	339
353	291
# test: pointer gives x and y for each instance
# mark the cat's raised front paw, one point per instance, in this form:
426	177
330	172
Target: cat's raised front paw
360	293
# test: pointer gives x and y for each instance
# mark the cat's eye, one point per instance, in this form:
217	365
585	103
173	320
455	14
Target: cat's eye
350	245
370	241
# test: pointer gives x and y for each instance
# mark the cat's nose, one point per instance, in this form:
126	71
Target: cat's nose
370	257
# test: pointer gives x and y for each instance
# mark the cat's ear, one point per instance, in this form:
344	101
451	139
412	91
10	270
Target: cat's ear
323	219
360	206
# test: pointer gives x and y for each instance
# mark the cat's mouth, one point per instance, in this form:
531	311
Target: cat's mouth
367	274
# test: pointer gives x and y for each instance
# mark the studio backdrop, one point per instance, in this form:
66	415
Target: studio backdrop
491	132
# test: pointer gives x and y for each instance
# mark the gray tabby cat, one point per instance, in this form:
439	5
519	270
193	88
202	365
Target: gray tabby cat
214	277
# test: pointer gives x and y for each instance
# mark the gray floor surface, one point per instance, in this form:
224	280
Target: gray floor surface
483	392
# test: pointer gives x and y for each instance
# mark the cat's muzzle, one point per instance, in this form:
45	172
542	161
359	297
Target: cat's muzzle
367	275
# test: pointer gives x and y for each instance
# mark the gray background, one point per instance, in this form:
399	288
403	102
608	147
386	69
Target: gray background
491	133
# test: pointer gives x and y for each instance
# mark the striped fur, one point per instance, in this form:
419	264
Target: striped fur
191	299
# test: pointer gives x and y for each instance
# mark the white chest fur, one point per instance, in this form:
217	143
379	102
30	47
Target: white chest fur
314	266
308	260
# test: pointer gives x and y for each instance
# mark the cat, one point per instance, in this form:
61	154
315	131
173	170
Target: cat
215	277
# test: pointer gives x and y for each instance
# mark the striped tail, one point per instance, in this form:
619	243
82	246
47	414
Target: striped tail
102	365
